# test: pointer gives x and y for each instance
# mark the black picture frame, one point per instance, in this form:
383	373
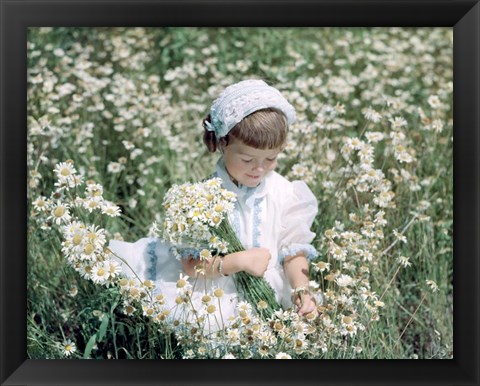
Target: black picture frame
17	15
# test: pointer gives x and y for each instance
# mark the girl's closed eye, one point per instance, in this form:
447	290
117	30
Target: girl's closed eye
247	160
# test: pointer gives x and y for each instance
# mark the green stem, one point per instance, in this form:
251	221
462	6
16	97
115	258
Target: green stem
253	288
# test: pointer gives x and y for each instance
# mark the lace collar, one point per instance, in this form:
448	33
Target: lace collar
244	193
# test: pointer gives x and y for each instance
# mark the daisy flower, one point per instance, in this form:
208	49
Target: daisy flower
321	266
115	167
404	261
64	170
434	101
113	269
92	203
93	189
374	136
110	209
400	236
73	291
40	204
344	280
99	273
60	213
69	348
96	236
433	286
372	115
398	122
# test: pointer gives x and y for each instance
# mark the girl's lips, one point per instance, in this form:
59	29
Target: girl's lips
248	175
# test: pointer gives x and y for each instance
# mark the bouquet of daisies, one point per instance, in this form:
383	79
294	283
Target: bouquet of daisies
196	214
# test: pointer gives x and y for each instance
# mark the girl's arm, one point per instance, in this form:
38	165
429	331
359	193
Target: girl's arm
254	261
296	270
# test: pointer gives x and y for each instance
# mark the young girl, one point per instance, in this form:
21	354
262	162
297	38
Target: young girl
248	125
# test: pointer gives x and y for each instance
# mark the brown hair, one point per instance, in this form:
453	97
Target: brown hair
263	129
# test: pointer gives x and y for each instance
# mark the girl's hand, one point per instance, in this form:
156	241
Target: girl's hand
305	302
255	261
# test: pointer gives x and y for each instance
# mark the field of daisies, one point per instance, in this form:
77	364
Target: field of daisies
114	121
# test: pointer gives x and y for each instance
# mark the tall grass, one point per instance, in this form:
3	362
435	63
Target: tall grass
132	99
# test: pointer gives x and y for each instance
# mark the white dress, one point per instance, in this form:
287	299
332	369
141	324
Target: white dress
277	215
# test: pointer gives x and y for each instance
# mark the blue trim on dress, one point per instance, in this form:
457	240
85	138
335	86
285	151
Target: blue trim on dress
152	271
236	218
183	253
293	249
257	209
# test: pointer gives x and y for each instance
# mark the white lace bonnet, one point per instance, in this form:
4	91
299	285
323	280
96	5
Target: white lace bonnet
241	99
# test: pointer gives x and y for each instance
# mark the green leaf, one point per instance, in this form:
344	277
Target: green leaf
103	327
89	346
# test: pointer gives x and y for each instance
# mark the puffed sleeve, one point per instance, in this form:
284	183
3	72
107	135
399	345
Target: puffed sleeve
300	209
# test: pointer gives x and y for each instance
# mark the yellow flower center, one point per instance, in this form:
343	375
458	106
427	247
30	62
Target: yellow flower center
205	254
134	292
321	265
329	233
65	172
181	283
88	249
211	309
218	292
59	211
77	239
262	304
148	283
129	309
101	272
92	236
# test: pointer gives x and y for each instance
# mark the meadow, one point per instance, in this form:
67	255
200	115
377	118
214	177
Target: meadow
114	120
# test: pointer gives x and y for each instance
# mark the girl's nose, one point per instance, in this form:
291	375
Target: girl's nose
258	167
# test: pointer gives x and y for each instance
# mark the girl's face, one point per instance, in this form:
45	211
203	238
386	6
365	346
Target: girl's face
248	165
